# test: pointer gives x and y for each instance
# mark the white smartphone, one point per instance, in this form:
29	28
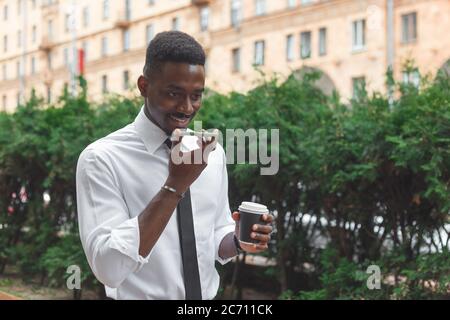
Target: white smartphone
207	136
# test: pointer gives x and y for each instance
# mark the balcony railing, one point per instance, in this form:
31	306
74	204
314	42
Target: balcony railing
201	2
51	8
123	19
46	43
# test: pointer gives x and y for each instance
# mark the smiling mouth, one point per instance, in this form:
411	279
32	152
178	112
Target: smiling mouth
180	118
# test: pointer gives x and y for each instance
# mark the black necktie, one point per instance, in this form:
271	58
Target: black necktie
188	248
168	143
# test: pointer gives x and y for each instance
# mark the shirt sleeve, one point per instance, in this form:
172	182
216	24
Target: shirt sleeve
110	238
224	222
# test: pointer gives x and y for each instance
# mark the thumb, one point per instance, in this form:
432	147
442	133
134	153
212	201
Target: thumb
236	216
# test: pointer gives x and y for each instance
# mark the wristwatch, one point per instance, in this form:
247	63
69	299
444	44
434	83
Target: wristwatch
237	245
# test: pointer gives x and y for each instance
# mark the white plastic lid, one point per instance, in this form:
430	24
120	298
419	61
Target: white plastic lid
253	207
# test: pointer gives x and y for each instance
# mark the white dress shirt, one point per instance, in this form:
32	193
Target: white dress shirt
117	176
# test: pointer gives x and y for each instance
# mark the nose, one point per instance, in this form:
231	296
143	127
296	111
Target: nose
187	107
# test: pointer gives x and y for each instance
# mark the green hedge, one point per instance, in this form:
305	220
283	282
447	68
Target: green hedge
368	178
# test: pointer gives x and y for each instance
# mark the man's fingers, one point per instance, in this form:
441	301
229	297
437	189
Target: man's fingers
210	137
175	142
262	228
260	247
176	137
210	140
208	146
264	238
255	247
267	218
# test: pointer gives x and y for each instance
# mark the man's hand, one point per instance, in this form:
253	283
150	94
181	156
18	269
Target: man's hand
156	215
260	232
188	165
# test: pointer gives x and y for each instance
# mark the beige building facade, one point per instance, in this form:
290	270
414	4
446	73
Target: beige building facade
352	42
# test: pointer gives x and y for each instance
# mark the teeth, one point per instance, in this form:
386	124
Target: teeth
182	120
181	116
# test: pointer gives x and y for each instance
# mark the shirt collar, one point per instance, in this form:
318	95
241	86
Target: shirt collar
150	133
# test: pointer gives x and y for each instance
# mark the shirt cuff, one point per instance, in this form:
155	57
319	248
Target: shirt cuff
125	238
219	235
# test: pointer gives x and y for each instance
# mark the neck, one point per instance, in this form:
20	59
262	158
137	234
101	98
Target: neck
149	117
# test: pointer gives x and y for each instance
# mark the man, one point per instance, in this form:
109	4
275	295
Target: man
150	228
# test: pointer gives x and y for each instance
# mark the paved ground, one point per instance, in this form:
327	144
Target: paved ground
6	296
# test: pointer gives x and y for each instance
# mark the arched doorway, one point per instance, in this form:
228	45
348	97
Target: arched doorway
324	83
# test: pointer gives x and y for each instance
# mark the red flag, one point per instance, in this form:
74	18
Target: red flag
81	61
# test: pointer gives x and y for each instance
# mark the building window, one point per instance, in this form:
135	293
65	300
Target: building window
151	2
4	72
411	77
67	22
33	34
175	24
104	84
5	43
235	12
149	33
126	40
204	18
305	45
50	60
85	46
18	71
322	41
4	102
359	87
104	46
19	39
359	34
126	80
259	53
33	4
49	94
206	65
260	7
66	56
128	10
33	65
19	7
306	2
50	29
290	47
409	27
86	16
236	60
292	3
5	12
105	9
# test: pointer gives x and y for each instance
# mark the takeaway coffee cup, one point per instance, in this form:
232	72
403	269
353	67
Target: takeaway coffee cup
251	213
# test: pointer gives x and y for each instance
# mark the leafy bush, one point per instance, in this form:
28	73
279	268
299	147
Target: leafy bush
428	277
39	149
368	180
66	252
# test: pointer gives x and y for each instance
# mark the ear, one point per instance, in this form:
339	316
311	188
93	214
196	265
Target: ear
142	84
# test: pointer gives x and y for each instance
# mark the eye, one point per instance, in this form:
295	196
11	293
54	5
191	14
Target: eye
196	97
172	94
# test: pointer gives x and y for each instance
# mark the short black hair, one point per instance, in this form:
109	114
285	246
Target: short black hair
172	46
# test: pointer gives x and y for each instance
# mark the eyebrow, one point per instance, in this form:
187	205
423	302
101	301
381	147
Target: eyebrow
173	86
